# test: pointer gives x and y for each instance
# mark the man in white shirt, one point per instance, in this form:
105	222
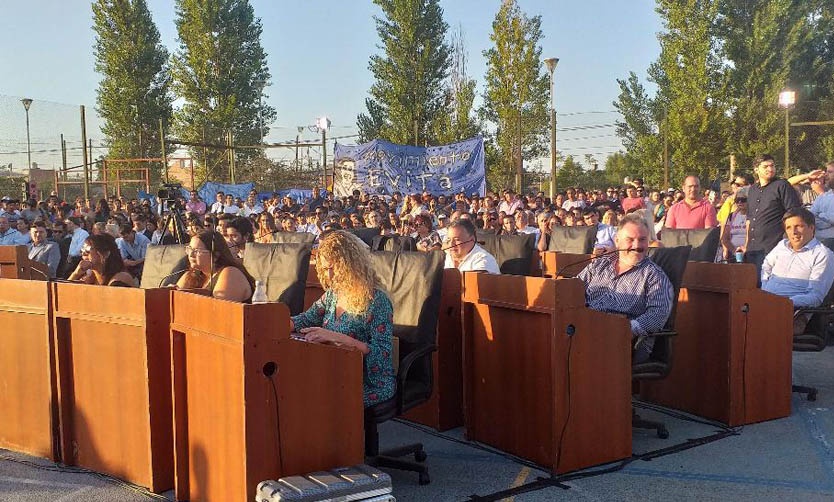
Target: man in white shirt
463	253
219	205
823	206
78	235
8	236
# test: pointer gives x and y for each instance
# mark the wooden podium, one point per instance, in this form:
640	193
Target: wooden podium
251	403
728	365
534	390
114	381
28	417
569	263
444	409
15	264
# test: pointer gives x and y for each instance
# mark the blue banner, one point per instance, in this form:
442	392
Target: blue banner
381	167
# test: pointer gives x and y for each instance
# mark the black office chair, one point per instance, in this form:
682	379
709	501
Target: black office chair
366	234
514	253
704	241
283	269
413	281
574	240
293	238
673	262
163	266
393	243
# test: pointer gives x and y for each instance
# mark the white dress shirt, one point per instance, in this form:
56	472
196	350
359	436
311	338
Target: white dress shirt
478	260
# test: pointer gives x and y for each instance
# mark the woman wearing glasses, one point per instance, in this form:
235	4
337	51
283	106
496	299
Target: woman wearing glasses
353	311
101	263
214	268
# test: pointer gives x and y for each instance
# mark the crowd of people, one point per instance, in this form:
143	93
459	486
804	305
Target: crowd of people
105	242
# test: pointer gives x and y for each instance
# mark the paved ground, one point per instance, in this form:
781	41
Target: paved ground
782	460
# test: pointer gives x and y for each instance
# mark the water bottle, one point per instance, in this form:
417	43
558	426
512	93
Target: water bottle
259	295
739	257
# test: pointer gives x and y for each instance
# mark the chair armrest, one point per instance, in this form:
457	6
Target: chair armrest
414	355
813	310
658	334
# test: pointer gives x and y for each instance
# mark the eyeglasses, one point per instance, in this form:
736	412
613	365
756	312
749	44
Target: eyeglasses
190	250
741	199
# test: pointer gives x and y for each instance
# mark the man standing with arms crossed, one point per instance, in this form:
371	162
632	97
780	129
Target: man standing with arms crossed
768	199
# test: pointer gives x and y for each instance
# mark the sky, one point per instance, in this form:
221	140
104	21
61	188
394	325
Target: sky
318	54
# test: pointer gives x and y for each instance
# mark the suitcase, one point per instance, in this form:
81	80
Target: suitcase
360	482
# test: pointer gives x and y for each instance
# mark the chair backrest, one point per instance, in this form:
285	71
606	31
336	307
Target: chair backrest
393	243
366	234
514	253
293	238
413	282
704	241
282	268
162	264
673	263
576	240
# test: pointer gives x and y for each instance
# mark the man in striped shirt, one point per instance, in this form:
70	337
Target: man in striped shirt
625	282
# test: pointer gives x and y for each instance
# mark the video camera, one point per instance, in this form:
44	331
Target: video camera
169	195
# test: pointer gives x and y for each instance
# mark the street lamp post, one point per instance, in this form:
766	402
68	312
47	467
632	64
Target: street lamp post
26	104
787	98
551	66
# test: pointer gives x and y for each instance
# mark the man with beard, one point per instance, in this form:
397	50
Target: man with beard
629	284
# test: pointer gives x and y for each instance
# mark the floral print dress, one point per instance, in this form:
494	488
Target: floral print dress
374	327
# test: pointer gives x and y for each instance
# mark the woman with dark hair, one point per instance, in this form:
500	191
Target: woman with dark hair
238	232
101	263
427	238
102	213
214	268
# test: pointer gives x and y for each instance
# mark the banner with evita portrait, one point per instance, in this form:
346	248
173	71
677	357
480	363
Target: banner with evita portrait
381	167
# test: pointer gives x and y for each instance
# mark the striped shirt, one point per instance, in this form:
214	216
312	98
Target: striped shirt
643	294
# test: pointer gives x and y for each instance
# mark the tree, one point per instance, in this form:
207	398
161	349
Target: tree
220	70
517	89
458	122
133	94
407	98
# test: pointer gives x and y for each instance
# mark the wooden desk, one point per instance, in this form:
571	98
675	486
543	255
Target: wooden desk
28	417
444	409
114	381
230	361
727	365
15	264
569	263
525	378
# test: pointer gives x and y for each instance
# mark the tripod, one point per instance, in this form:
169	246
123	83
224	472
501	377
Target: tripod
177	235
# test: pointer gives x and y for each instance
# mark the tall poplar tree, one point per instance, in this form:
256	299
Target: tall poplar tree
517	92
407	98
458	122
220	70
133	93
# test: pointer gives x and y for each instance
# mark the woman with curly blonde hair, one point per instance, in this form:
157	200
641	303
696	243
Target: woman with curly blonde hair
353	311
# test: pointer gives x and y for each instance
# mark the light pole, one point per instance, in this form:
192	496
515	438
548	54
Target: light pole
787	98
323	123
26	104
551	66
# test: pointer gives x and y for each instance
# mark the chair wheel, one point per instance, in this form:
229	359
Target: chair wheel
662	432
424	478
812	396
420	455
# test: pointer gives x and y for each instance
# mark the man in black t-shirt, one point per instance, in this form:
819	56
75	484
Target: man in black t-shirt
767	201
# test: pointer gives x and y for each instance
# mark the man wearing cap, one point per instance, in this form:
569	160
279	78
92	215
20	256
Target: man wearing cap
694	211
442	229
510	204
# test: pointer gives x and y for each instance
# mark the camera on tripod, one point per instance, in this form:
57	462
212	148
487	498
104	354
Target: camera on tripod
168	195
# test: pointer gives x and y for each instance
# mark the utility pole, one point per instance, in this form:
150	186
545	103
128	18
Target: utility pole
84	149
165	156
666	147
551	67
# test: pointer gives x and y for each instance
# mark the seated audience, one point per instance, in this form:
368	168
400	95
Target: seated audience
101	263
799	268
353	311
463	253
214	268
132	246
42	250
627	283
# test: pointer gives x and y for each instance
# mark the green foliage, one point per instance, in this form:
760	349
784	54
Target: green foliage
517	89
220	70
408	95
133	94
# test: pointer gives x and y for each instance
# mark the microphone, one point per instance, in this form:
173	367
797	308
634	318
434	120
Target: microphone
458	244
594	257
172	274
41	272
